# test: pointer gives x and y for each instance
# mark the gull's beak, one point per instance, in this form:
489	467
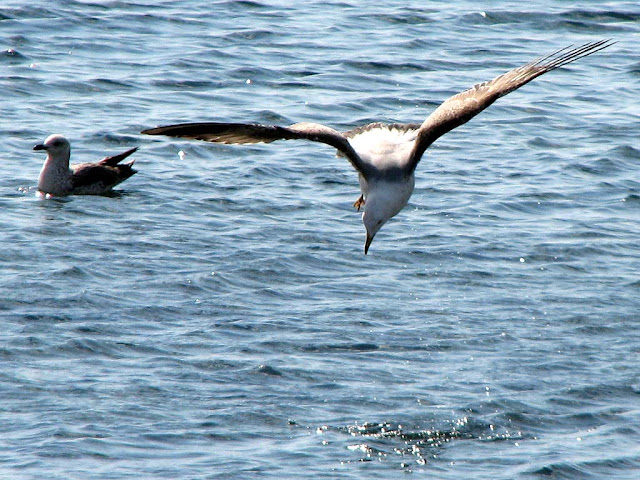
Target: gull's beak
367	242
40	146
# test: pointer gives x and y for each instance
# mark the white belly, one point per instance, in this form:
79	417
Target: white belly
391	196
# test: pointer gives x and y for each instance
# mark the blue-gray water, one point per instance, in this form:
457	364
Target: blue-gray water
216	317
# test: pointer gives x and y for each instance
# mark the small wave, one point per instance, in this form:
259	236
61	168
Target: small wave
248	4
604	166
373	66
404	17
496	17
12	55
268	370
626	151
347	347
385	440
250	35
182	84
603	15
619	467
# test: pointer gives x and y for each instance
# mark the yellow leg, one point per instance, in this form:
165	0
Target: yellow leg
359	202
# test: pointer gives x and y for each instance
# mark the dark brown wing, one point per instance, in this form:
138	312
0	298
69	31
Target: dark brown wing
96	178
462	107
241	133
114	160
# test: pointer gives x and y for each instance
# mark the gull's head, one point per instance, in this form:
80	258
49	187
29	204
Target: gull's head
57	147
373	219
384	200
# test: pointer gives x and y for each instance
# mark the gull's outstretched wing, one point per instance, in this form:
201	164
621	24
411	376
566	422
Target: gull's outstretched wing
462	107
238	133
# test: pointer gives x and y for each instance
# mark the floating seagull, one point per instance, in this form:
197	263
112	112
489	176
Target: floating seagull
56	178
386	155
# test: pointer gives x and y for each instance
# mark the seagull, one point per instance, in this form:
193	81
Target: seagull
386	155
58	179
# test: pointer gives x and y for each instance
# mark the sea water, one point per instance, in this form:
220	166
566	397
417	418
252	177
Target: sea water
215	317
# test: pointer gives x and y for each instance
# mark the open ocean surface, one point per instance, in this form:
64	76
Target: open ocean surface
215	318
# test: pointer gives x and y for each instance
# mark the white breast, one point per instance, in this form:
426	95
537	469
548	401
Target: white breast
54	180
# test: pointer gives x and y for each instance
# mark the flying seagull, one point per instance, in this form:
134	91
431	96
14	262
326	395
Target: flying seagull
386	155
57	178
